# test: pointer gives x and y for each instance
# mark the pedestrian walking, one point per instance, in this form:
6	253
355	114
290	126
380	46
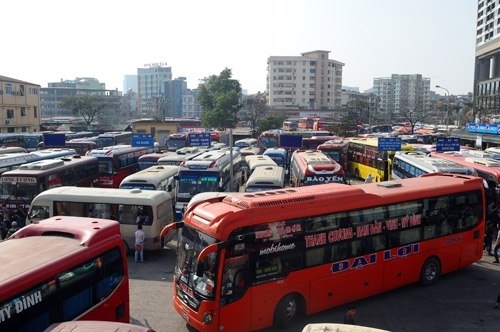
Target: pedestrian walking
139	244
369	179
497	245
350	316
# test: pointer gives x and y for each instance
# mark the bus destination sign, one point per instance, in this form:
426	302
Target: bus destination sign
199	139
389	143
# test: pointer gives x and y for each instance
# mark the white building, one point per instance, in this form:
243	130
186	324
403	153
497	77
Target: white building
487	59
399	93
309	81
151	88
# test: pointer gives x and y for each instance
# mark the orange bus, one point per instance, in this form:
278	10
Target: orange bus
310	167
63	268
284	253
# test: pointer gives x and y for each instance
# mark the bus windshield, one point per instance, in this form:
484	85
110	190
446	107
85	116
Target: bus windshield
196	182
199	278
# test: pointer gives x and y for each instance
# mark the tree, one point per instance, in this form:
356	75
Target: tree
254	110
412	113
220	101
270	122
90	107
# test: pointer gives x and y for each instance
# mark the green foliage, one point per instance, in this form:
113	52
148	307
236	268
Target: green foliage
220	101
89	107
270	122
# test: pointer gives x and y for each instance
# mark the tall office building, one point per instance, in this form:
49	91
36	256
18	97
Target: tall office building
311	81
129	83
151	88
174	90
487	59
400	93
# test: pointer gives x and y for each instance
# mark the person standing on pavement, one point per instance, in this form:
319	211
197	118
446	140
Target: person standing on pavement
13	228
139	244
497	245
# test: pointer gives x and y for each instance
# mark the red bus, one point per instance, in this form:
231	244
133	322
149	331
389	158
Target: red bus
117	162
19	186
177	141
80	145
63	268
307	122
312	143
151	159
336	149
310	167
487	168
283	253
268	139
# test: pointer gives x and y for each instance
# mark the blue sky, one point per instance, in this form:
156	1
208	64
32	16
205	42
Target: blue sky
56	39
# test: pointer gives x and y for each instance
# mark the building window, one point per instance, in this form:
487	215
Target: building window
35	112
10	114
21	90
8	89
23	111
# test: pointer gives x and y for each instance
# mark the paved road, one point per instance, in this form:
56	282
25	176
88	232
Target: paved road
460	301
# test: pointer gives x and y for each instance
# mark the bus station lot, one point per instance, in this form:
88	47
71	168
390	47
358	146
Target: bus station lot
460	301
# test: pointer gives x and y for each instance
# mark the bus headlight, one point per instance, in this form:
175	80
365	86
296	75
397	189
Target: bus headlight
208	317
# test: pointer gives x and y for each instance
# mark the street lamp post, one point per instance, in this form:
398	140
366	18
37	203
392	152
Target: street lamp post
447	106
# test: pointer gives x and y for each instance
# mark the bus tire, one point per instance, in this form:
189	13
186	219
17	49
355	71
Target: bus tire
287	310
431	270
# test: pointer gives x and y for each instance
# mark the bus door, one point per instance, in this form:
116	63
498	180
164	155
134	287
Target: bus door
233	289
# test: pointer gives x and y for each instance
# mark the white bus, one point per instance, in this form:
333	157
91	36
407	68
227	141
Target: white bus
257	161
266	178
180	155
410	164
160	177
122	205
217	170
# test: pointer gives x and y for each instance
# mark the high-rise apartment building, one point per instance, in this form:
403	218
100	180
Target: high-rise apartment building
487	59
151	88
310	81
400	93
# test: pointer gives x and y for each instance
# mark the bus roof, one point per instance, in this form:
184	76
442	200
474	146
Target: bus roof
254	161
96	325
334	327
102	195
153	172
432	163
52	240
219	217
267	175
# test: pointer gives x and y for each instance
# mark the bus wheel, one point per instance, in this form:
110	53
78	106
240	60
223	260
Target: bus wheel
286	311
430	272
